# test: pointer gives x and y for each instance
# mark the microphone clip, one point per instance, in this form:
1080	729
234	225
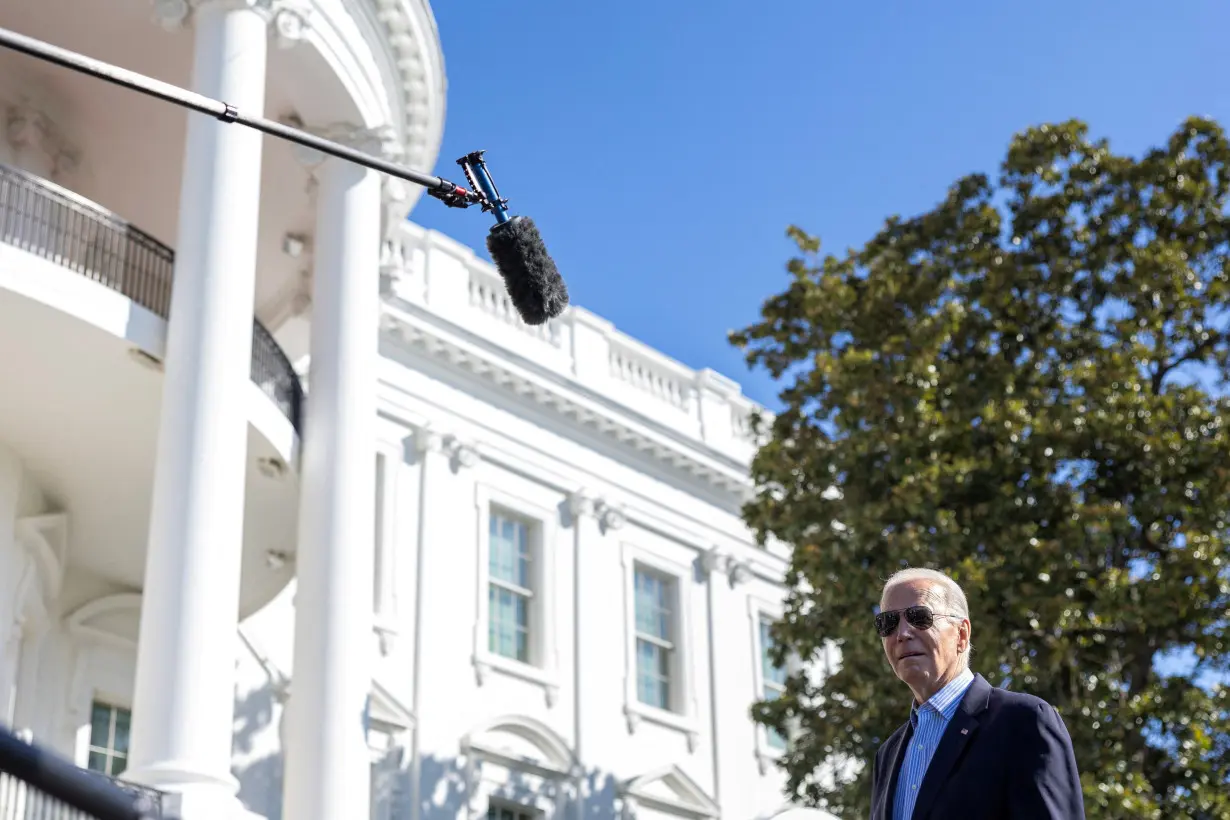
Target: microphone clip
479	177
482	189
453	195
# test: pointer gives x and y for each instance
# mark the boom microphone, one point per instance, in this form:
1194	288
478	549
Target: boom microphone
533	283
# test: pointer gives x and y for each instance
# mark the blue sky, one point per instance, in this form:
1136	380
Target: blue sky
663	146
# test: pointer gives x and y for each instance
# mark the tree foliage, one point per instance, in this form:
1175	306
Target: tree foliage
1022	387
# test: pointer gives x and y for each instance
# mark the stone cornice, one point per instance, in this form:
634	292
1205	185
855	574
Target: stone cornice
410	29
425	333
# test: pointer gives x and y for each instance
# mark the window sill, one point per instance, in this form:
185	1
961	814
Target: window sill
637	712
486	663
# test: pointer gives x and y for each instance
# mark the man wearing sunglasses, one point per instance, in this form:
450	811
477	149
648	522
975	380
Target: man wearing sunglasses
968	751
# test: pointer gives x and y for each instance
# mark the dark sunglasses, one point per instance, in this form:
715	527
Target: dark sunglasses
919	617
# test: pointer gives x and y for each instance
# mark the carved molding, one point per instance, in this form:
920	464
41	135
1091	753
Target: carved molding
737	572
582	504
410	38
27	128
289	20
611	517
427	440
461	454
740	572
421	336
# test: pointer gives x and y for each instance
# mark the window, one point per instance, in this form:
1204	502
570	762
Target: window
655	646
659	684
772	677
510	593
109	738
515	629
496	811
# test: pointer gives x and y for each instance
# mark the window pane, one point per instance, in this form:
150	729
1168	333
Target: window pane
769	672
653	616
100	726
123	718
118	764
98	762
509	551
653	674
508	623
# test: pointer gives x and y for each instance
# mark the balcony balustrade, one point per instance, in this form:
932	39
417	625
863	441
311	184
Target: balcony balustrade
51	222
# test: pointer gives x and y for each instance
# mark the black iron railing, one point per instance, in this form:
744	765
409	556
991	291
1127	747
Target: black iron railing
37	784
46	220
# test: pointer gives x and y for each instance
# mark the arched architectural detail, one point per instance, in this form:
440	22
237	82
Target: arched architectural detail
112	620
792	812
554	752
669	790
521	760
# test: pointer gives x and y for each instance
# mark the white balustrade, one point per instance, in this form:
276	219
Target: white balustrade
428	269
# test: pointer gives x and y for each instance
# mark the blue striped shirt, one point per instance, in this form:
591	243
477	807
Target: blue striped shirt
929	722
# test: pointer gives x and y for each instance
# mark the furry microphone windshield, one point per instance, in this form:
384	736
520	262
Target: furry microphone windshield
534	285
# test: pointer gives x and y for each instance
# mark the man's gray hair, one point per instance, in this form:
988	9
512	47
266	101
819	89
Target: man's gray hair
952	596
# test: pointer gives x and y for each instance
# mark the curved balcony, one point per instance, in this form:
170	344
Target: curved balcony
46	220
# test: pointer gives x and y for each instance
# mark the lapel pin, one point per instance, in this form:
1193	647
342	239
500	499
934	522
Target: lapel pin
965	731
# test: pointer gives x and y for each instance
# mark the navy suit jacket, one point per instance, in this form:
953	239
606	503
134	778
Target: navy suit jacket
1004	755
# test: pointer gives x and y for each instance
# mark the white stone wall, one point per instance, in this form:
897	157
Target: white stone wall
486	728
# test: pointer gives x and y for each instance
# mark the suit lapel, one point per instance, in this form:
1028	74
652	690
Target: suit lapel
960	731
883	808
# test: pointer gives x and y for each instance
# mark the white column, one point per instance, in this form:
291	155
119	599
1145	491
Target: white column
327	774
11	561
185	679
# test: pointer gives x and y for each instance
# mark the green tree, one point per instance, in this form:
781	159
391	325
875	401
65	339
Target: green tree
1022	387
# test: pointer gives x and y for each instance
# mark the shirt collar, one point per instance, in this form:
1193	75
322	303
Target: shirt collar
947	699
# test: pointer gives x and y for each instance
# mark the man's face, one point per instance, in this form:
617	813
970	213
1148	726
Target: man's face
925	659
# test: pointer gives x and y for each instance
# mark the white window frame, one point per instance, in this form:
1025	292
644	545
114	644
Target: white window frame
543	667
759	609
104	666
109	751
683	713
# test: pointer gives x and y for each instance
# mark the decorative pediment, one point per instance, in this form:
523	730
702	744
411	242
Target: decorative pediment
669	790
523	743
386	713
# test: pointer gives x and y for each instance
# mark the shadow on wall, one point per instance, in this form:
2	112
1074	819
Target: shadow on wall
444	793
260	778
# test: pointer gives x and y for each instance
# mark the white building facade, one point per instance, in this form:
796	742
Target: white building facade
343	538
